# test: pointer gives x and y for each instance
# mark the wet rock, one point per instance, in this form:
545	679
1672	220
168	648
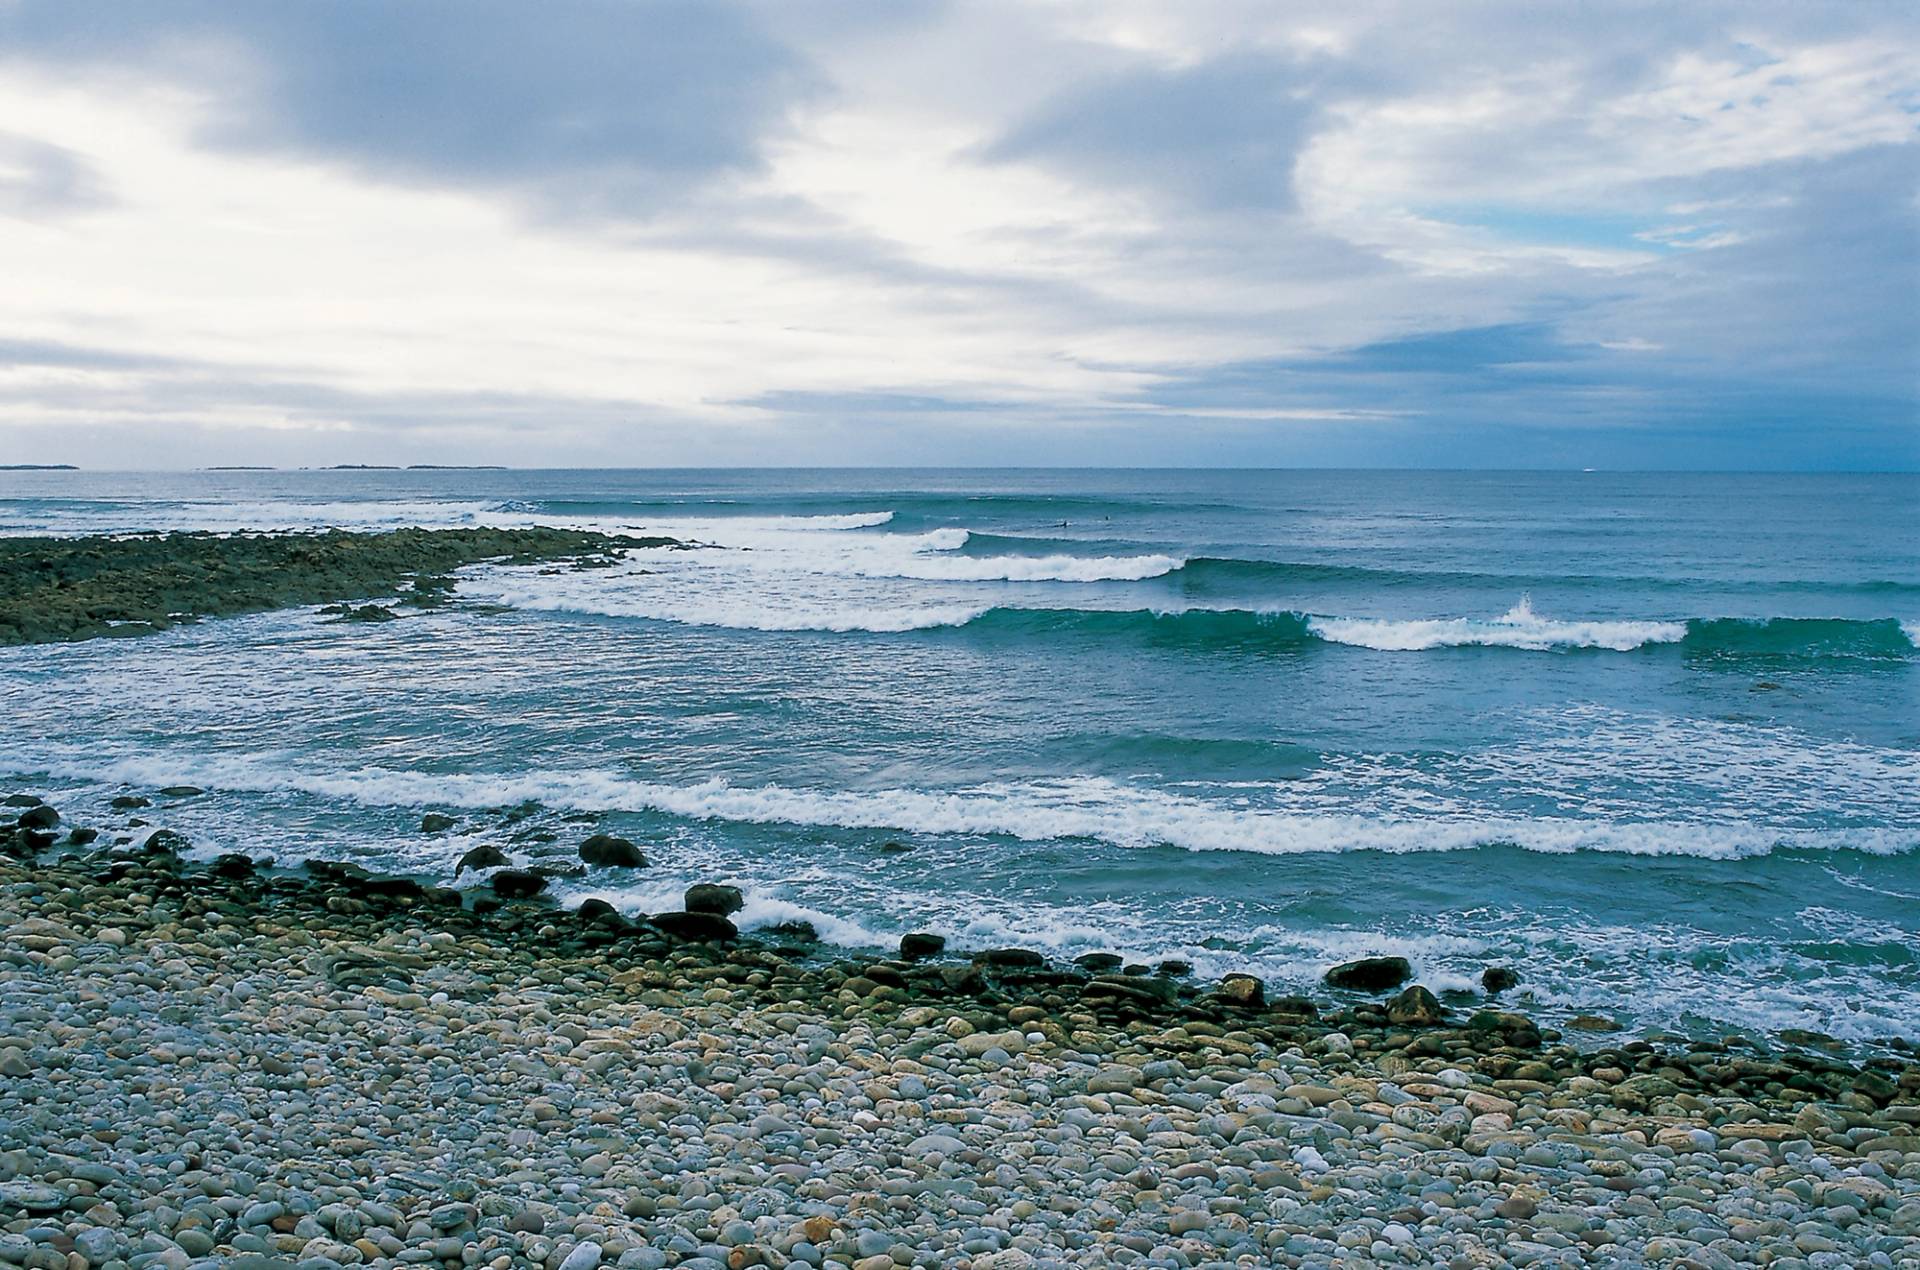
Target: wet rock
708	897
517	884
1174	969
1244	991
1009	958
484	856
695	926
1592	1023
893	847
39	817
799	932
606	851
181	791
20	800
598	912
436	822
1498	979
1416	1007
1370	974
129	802
919	945
1099	963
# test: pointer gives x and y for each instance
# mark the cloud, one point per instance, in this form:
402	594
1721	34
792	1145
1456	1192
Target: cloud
1107	230
1222	134
589	106
40	181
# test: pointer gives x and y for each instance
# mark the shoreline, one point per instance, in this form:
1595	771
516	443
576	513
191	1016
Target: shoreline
212	1064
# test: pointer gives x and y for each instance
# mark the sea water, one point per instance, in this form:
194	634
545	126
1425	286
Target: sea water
1652	739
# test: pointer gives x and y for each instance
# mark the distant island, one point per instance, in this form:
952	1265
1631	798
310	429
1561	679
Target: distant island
456	467
38	467
241	467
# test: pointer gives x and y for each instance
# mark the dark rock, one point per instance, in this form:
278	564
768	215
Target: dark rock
797	931
81	837
1416	1007
1174	969
1370	974
40	817
524	811
607	851
392	890
694	926
1143	990
1294	1007
1100	963
129	802
165	842
182	791
517	884
707	897
601	913
232	866
920	944
1497	979
360	613
435	822
892	847
1009	958
1244	991
484	856
20	800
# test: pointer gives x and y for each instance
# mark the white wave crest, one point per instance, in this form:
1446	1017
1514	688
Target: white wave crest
1518	627
1089	808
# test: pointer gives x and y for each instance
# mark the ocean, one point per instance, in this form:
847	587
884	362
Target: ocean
1653	740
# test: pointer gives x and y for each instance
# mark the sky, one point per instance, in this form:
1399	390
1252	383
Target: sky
647	232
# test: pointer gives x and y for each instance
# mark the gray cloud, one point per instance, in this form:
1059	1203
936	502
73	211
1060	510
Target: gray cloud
590	106
39	180
1222	134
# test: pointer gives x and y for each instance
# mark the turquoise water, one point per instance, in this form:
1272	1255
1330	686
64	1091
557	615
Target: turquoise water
1652	739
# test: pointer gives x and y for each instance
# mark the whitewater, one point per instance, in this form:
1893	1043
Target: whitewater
1640	737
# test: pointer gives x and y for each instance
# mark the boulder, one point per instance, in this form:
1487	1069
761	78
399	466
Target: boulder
798	931
484	856
1294	1007
607	851
1416	1007
920	944
1174	969
182	791
1100	963
1009	958
601	913
129	802
696	927
435	822
1244	991
20	800
1370	974
1497	979
39	817
517	884
721	901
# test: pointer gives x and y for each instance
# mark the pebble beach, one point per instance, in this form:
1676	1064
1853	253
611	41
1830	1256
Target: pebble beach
218	1065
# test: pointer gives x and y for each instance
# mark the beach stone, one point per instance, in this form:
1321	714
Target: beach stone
1416	1007
1244	991
517	884
1370	974
39	817
585	1256
709	897
1010	959
919	945
695	927
607	851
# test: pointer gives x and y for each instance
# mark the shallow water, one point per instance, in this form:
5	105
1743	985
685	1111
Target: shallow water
1653	739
